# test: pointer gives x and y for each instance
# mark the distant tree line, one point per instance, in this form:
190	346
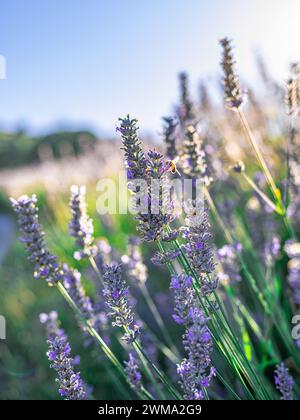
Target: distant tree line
20	149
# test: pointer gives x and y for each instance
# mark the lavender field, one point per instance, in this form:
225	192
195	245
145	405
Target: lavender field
162	266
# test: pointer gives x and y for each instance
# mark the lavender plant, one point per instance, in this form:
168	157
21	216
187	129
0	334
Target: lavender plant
230	327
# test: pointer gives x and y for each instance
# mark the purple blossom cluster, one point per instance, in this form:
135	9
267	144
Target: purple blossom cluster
116	296
135	160
198	247
159	211
155	208
284	382
52	326
46	266
136	270
294	209
170	236
272	249
72	283
196	370
234	96
169	133
185	111
193	156
293	251
228	258
134	376
71	386
70	383
81	226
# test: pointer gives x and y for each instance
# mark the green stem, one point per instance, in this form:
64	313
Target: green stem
158	318
119	367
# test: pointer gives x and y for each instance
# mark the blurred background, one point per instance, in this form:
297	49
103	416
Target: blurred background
72	69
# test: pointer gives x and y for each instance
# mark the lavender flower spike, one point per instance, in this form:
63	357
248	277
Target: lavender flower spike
186	112
72	283
70	383
193	156
198	248
228	258
196	371
71	386
156	201
52	326
160	201
116	293
135	160
45	264
293	251
284	382
234	96
169	133
81	226
135	268
134	376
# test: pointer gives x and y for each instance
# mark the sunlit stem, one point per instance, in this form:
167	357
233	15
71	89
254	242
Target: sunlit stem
275	191
264	197
158	318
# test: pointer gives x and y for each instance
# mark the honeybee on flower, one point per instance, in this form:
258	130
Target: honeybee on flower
171	166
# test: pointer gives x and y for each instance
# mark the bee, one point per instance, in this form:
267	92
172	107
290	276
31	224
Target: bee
171	164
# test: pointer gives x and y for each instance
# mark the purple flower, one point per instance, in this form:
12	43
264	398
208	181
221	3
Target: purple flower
293	250
116	296
234	97
132	146
72	283
170	237
185	110
160	209
178	319
272	249
154	205
46	266
52	326
228	258
195	371
134	376
169	133
284	382
193	159
81	226
136	270
70	383
198	248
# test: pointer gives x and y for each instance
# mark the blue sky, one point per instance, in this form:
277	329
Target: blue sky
89	61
